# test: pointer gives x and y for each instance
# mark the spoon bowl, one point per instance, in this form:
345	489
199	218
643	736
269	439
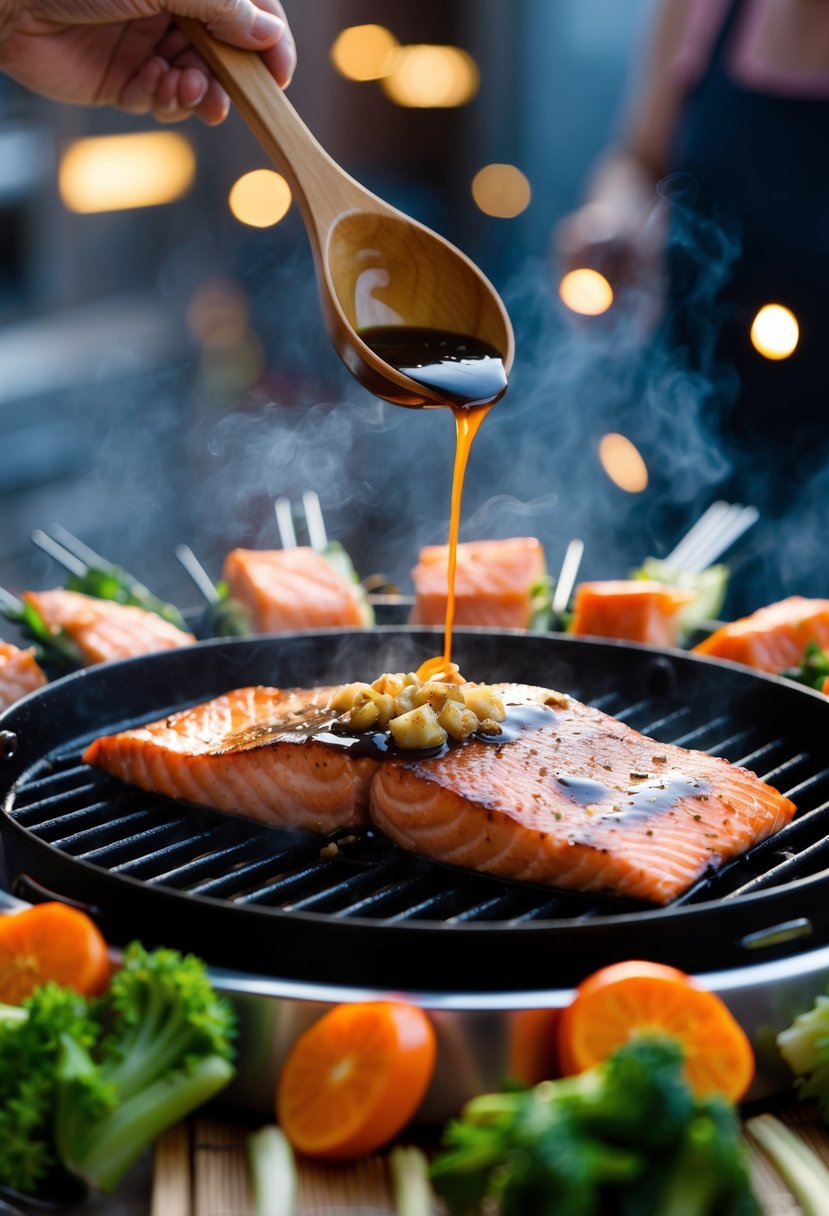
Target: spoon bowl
375	266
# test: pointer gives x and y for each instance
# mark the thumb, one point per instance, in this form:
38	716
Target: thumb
239	22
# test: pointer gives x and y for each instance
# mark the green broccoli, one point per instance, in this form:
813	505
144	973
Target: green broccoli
813	670
90	1084
805	1048
627	1137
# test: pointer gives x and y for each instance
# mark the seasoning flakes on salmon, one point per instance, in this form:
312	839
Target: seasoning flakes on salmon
292	589
638	610
20	673
773	638
582	802
252	752
103	630
494	583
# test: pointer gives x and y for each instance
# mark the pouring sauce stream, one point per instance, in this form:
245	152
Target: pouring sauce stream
470	376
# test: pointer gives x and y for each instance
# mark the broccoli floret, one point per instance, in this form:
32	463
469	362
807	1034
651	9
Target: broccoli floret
805	1048
30	1040
625	1137
88	1085
166	1049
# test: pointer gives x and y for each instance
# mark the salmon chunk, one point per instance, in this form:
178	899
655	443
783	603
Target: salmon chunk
580	801
773	638
257	752
288	589
566	796
20	673
103	630
637	610
494	582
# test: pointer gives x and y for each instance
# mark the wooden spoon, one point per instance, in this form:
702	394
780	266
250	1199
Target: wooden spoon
375	266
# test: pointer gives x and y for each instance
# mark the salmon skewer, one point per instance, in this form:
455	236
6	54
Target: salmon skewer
773	638
638	610
565	797
103	630
292	589
251	752
582	802
495	582
19	673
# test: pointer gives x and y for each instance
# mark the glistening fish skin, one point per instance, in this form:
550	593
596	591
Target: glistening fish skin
773	638
104	630
577	800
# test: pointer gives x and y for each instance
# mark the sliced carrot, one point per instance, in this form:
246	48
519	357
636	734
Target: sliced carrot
51	942
629	999
355	1078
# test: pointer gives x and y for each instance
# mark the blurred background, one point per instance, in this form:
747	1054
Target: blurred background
164	371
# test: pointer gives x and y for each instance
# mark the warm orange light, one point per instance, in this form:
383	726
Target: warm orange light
623	463
586	291
425	76
117	172
364	52
217	314
775	331
260	198
501	190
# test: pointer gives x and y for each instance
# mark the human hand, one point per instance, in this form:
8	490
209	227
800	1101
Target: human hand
131	54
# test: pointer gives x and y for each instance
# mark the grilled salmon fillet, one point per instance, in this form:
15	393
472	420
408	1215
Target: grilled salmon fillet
638	610
569	797
581	801
287	589
773	638
251	752
103	630
19	673
494	582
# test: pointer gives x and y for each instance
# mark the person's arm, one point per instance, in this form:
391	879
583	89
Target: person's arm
607	230
131	54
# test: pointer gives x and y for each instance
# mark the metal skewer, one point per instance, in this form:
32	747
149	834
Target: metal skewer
285	522
59	553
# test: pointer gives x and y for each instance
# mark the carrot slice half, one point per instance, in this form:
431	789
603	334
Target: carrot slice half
355	1078
51	942
628	999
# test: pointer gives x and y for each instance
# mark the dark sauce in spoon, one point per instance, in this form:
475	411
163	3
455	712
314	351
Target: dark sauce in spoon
465	372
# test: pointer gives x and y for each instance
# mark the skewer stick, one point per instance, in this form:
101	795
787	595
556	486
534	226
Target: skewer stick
314	521
567	577
82	552
678	556
58	553
197	573
9	602
285	522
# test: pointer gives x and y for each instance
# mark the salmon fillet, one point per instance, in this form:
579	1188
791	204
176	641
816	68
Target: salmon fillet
248	753
581	802
288	589
103	630
568	798
638	610
494	582
773	638
19	673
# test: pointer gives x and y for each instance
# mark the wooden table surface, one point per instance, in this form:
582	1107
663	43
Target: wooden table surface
199	1170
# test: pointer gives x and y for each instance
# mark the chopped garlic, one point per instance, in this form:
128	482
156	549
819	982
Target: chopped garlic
418	728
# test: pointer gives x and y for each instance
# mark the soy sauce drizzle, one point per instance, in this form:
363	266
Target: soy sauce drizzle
325	727
648	796
469	376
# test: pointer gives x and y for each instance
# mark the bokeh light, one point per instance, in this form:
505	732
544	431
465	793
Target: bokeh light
364	52
501	190
775	331
260	198
586	291
623	463
217	314
425	76
118	172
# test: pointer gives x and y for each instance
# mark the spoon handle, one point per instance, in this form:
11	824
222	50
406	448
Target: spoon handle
322	189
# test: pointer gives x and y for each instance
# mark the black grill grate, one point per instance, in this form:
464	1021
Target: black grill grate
157	868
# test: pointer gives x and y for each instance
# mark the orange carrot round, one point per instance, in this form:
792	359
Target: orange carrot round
628	999
51	942
355	1078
